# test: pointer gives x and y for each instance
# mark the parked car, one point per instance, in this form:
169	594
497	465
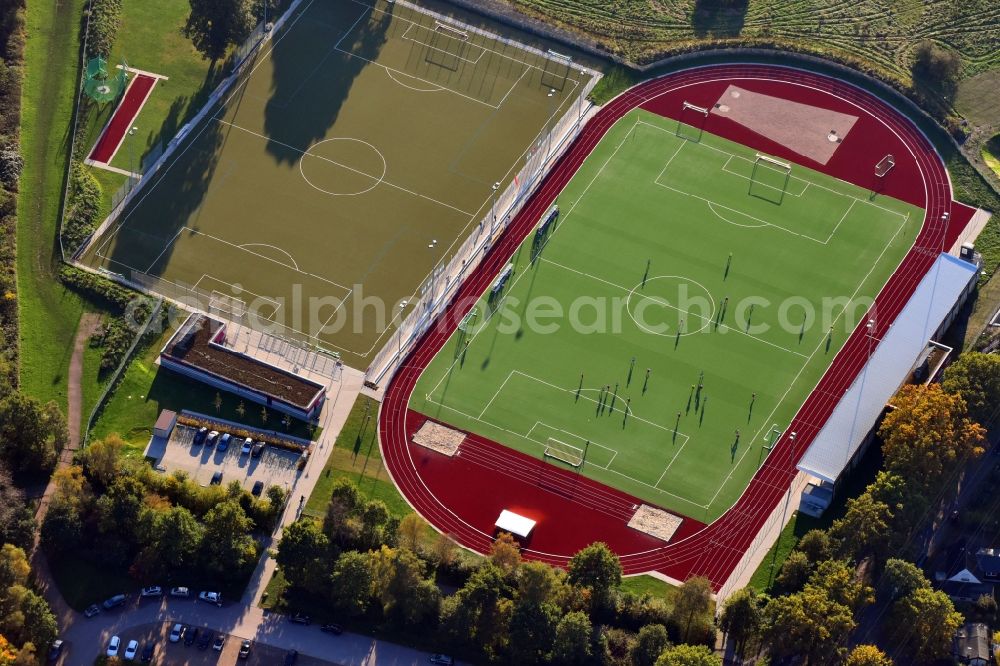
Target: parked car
151	591
92	610
55	650
213	437
177	633
442	660
147	652
200	436
211	597
190	636
220	640
291	657
180	592
258	450
113	646
217	478
224	442
247	446
258	488
245	649
300	618
205	640
131	649
331	628
114	602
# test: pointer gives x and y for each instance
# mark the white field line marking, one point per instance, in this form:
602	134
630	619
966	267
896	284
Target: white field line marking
344	166
405	35
614	453
496	394
841	221
710	320
273	247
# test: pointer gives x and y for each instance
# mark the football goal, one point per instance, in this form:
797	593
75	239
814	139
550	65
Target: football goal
769	178
556	70
691	122
574	456
447	47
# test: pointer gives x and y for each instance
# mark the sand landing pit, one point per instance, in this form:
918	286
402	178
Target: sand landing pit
437	437
810	131
655	522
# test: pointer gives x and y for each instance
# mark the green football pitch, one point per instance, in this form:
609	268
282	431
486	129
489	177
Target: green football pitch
354	155
670	324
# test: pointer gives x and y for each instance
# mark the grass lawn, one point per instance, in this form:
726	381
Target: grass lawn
658	297
83	583
991	154
144	390
640	585
48	313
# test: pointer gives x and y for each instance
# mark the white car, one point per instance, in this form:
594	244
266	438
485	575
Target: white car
151	591
113	646
176	633
247	446
180	592
211	597
131	649
442	659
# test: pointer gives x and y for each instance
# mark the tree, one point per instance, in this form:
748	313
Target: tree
532	632
650	643
409	531
14	567
692	611
538	583
976	377
842	585
901	579
217	402
928	434
807	623
445	550
505	553
228	550
925	622
101	459
742	617
864	529
795	571
351	583
816	545
7	652
476	614
241	409
573	638
172	543
867	655
597	568
688	655
936	67
399	582
31	434
302	555
62	529
214	25
17	521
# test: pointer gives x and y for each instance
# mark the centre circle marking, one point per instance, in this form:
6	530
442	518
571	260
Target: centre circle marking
680	279
377	180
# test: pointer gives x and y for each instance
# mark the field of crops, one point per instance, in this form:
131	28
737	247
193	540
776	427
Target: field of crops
883	32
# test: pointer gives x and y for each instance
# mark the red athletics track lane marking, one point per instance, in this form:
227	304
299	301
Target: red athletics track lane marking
138	91
426	479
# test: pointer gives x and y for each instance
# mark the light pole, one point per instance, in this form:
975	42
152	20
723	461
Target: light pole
399	334
552	122
131	159
493	221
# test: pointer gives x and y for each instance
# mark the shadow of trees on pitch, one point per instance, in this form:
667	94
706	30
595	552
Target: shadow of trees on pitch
719	18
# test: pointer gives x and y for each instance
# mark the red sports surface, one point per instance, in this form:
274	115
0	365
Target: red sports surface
121	121
464	494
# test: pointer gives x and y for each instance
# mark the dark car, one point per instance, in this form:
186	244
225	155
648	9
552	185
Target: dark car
191	635
200	436
92	610
291	657
258	450
299	618
206	639
217	478
114	602
223	442
258	488
55	651
331	628
147	652
220	641
245	649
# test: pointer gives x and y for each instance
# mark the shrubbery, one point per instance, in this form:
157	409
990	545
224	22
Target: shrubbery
105	16
83	207
11	163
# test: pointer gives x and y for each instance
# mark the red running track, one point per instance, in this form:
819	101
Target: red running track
463	495
135	96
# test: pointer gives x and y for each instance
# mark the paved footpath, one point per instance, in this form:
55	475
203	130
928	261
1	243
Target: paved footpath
245	619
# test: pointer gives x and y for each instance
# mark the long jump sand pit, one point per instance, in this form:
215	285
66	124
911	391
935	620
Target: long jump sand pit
810	131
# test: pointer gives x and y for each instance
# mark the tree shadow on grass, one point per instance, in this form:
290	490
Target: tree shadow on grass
719	18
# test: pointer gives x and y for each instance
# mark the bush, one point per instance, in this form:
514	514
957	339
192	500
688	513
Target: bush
110	295
82	208
11	164
105	16
936	67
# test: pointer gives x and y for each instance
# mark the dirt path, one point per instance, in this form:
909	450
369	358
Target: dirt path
89	323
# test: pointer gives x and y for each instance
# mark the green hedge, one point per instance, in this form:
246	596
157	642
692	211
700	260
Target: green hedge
82	209
105	16
102	291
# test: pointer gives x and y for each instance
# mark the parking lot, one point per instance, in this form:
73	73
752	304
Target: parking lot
275	466
166	652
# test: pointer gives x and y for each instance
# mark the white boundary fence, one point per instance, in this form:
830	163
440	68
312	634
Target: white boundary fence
444	280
